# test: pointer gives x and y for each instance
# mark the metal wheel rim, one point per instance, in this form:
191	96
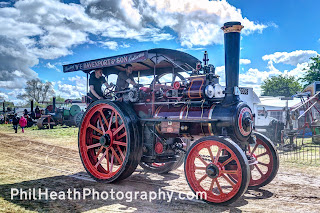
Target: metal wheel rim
215	182
91	148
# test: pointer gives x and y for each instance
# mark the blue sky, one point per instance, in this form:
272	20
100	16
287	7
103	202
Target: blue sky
37	37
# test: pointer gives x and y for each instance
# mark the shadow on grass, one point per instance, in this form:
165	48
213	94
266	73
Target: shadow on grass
138	183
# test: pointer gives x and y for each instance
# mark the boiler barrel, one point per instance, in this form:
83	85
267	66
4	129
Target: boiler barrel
188	116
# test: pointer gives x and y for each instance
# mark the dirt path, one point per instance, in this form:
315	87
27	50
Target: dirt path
30	164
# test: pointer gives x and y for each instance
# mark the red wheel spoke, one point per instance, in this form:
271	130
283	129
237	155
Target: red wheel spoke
121	153
200	158
263	164
254	149
219	187
104	118
231	172
258	156
227	161
96	137
115	154
120	143
211	155
121	136
102	127
95	128
111	117
99	151
104	154
217	156
117	124
118	130
200	168
111	166
93	145
107	158
211	185
202	178
228	180
259	170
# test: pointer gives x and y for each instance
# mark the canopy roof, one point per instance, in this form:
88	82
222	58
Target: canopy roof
163	60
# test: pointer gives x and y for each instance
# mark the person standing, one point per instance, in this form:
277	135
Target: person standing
37	111
23	123
15	122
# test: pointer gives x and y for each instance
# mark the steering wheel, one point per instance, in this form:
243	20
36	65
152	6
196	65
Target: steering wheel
168	77
109	91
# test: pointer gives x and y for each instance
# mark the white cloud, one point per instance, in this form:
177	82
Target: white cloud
293	58
35	29
112	45
255	77
125	45
192	48
4	4
66	90
245	61
15	64
221	72
3	96
52	66
299	71
196	22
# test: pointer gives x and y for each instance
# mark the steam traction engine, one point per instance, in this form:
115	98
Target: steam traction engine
174	119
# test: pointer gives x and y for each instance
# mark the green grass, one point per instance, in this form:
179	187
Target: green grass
57	131
60	135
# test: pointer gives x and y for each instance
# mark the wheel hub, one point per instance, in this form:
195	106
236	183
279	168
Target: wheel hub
212	171
105	140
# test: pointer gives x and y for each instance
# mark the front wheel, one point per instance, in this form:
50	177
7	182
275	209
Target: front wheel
208	163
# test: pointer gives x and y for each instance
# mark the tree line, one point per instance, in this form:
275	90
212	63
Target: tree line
284	85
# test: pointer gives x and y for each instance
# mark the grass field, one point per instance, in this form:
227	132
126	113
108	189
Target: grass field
59	136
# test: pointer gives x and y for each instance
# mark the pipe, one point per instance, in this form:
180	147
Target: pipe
54	104
232	57
31	105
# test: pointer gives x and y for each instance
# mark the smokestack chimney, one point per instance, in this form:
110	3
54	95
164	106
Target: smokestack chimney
232	57
54	104
31	105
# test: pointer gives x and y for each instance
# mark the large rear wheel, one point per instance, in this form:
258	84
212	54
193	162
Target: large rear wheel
207	165
108	141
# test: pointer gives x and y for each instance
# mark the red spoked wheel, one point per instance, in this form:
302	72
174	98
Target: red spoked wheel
267	161
108	141
206	170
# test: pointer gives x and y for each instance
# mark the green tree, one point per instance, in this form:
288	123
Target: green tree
58	99
37	90
313	71
282	85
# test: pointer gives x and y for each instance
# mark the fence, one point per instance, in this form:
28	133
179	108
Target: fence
301	150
